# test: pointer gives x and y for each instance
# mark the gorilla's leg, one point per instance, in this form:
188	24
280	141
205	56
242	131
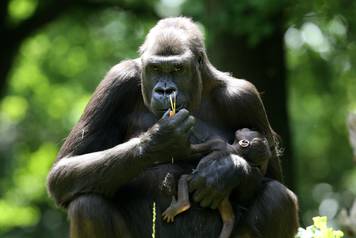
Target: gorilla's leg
274	214
228	218
92	216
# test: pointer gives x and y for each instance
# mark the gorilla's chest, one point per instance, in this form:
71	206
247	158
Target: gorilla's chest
157	184
204	129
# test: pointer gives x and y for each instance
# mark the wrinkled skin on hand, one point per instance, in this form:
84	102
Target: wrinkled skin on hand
213	181
169	137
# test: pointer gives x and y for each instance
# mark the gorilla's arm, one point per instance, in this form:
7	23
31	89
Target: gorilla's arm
95	158
241	107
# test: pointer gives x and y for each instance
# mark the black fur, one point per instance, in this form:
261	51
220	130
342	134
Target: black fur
117	160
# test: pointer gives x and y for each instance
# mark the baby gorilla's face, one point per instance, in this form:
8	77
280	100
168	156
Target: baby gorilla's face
252	145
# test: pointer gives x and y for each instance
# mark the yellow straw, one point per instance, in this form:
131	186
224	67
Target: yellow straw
173	104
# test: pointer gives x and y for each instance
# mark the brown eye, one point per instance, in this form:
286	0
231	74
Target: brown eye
155	68
178	68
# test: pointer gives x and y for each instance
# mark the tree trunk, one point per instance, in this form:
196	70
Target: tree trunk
264	65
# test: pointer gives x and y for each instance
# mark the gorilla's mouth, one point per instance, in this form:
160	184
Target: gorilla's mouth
181	106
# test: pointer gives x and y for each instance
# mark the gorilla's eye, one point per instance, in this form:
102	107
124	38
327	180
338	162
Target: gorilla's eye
178	68
155	68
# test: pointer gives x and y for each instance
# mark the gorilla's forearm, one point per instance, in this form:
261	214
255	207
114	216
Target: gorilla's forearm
249	182
104	172
247	177
100	172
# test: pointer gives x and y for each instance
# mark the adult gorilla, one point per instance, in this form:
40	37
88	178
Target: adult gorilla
117	160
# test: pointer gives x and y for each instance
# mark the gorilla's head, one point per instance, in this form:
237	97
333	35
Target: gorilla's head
171	56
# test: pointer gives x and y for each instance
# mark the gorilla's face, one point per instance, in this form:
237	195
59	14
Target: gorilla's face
175	76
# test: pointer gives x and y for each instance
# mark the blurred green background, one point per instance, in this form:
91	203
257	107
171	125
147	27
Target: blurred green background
300	54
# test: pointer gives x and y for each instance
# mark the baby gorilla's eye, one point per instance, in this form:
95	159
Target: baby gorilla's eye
244	143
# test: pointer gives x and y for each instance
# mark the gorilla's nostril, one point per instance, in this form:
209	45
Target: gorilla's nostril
170	91
160	90
167	91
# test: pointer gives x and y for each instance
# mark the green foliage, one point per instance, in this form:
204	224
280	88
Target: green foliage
58	68
321	94
319	230
21	9
54	75
253	19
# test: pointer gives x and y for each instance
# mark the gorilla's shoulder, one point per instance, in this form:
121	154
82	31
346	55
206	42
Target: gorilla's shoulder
125	70
238	87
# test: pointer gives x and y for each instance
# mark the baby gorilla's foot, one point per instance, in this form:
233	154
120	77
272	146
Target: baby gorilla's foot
169	214
174	209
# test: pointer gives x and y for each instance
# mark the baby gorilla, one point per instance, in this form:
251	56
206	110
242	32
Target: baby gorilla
249	144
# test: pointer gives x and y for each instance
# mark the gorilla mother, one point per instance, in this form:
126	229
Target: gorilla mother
125	153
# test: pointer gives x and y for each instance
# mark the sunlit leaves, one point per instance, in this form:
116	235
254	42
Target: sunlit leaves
14	215
320	96
254	19
21	9
53	77
14	107
28	186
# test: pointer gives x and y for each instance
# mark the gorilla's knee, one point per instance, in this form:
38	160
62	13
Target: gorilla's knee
94	216
90	207
274	213
281	197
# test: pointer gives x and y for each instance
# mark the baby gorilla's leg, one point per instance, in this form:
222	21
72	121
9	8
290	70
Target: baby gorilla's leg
228	217
182	203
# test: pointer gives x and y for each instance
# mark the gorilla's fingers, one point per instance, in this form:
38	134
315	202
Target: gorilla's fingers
216	201
187	125
180	116
195	183
207	200
198	148
200	194
166	114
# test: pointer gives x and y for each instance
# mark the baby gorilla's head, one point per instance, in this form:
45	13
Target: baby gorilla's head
251	145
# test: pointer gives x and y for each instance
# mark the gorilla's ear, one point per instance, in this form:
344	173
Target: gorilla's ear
200	58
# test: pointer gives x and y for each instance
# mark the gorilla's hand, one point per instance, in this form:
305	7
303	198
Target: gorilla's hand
215	180
210	150
169	137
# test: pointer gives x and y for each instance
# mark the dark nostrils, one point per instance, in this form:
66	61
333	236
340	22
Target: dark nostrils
167	90
159	90
170	90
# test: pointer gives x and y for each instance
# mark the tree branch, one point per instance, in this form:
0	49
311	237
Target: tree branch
50	12
46	12
3	12
136	8
41	17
